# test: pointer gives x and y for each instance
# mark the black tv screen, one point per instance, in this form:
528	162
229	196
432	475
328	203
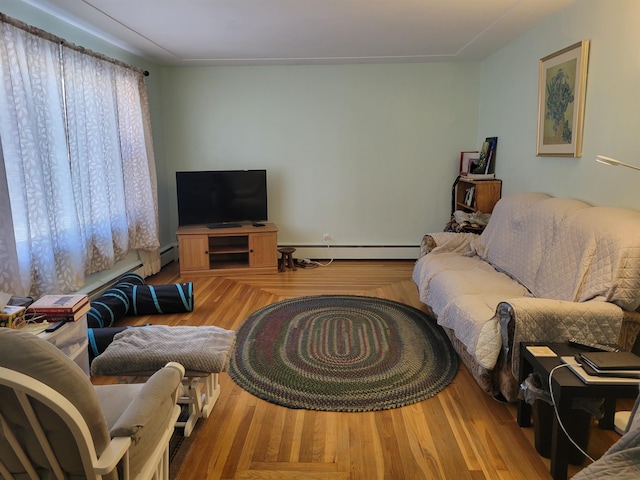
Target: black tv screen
220	197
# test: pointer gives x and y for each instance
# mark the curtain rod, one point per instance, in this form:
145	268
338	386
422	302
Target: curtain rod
55	39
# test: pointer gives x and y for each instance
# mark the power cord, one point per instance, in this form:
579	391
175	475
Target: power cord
555	409
323	264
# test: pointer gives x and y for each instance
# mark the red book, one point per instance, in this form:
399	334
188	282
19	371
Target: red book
59	304
67	317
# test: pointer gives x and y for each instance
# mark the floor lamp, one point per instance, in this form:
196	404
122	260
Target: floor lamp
613	162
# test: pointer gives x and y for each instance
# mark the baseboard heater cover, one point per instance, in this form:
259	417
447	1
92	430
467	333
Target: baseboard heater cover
97	288
168	254
357	252
103	281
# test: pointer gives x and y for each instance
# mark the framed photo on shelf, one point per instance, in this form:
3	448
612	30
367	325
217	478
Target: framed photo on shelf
466	159
485	164
562	86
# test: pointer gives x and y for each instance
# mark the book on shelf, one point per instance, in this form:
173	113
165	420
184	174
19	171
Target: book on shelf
469	195
59	304
53	317
491	157
486	158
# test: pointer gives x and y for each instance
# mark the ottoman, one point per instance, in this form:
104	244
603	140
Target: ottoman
203	351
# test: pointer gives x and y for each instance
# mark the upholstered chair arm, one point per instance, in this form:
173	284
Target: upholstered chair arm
159	392
117	451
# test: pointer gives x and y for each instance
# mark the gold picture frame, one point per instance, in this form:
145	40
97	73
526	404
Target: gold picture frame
562	85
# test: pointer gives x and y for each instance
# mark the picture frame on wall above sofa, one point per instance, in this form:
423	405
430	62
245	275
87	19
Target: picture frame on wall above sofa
562	86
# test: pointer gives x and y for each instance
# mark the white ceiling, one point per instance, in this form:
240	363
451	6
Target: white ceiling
260	32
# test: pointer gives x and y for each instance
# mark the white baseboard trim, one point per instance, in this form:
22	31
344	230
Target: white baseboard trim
362	252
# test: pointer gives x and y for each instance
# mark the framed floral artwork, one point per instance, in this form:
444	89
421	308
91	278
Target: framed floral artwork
562	86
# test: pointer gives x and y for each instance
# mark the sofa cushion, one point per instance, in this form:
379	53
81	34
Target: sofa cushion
595	255
510	242
463	293
565	249
520	234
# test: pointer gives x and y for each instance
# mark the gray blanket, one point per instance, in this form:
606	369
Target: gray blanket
136	351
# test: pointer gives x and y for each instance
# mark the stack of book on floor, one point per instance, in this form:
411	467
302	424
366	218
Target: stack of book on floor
606	367
60	308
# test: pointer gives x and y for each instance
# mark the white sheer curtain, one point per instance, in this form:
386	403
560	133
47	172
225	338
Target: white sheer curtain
45	225
82	193
150	256
138	167
98	184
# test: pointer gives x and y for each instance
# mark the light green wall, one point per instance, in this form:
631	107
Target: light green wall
508	105
366	153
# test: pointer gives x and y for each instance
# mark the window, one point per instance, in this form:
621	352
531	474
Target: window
79	175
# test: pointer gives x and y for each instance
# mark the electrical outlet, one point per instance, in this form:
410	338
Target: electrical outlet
326	238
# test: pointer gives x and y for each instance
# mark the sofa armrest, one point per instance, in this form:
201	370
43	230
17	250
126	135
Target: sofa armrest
427	245
629	338
448	242
528	319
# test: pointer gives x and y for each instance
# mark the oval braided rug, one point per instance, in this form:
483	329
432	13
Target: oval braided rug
342	353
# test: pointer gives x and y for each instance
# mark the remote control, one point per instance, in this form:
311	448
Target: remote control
54	326
599	347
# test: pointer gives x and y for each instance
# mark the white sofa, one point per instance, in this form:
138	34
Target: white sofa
545	269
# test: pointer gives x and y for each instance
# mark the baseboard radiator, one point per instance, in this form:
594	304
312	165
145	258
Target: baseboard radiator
356	252
168	254
100	282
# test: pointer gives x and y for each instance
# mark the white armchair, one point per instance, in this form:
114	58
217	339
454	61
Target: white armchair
55	424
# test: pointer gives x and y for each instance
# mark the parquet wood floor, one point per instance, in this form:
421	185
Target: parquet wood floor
461	433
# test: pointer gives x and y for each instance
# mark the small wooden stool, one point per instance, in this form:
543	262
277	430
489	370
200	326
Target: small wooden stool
286	260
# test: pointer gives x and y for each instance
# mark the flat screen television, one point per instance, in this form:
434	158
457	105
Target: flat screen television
221	198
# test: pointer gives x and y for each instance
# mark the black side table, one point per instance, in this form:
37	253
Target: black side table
566	385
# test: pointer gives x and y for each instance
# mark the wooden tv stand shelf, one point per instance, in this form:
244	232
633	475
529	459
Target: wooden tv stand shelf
223	251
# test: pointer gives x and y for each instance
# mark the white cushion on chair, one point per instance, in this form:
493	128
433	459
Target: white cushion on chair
27	353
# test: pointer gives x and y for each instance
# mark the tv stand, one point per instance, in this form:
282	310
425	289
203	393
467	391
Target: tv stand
228	249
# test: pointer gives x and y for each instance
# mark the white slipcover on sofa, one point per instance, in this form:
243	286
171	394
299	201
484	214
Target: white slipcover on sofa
545	269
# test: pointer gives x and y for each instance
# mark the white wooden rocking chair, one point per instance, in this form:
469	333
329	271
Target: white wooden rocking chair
55	424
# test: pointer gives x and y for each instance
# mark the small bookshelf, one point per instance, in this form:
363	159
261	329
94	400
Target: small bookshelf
477	195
